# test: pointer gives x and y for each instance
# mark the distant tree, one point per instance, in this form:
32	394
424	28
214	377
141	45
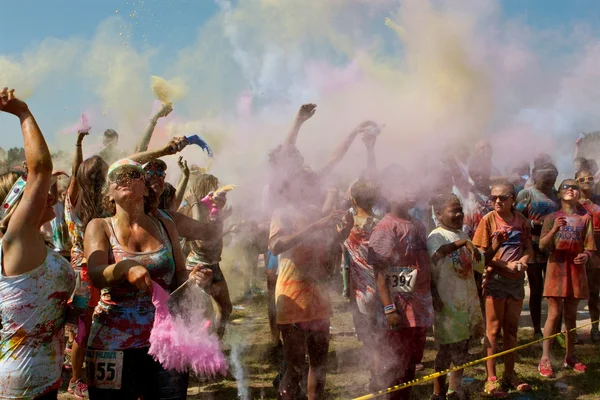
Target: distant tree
15	157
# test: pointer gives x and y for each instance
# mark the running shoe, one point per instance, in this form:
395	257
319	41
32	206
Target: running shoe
79	389
493	388
545	368
573	362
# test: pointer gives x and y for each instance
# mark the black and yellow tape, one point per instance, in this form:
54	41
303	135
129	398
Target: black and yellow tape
463	366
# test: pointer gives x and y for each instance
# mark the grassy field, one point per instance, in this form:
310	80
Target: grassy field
248	335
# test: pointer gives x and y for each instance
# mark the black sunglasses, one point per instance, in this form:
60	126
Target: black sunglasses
502	198
566	186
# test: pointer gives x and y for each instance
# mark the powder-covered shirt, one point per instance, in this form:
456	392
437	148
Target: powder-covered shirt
460	317
399	245
302	291
536	205
124	315
564	278
518	231
33	309
362	276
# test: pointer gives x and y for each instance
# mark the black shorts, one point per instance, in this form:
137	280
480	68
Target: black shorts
455	353
217	273
143	376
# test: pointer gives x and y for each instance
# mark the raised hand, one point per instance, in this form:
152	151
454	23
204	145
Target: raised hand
183	166
331	220
80	135
369	140
365	126
306	112
10	104
176	145
165	110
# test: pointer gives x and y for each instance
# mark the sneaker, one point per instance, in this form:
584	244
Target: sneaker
79	389
514	383
493	388
595	335
573	362
545	368
538	336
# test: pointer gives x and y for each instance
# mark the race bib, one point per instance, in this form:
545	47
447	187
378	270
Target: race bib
401	279
105	368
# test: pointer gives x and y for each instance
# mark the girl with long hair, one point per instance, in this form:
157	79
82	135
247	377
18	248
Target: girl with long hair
35	281
83	202
568	235
207	253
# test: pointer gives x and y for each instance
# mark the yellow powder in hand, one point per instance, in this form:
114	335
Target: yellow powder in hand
226	188
166	91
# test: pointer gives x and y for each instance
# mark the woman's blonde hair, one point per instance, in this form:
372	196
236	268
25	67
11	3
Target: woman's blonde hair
7	180
204	184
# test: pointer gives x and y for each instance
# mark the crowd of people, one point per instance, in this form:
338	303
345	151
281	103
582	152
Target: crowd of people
79	253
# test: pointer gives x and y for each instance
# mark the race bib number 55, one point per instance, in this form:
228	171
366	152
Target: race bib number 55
105	368
401	279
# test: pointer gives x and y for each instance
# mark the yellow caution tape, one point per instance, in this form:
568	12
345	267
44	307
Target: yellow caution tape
463	366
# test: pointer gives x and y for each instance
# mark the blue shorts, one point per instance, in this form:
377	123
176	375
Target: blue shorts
272	262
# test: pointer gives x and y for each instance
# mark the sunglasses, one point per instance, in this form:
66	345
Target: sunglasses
131	175
160	174
566	186
586	179
502	198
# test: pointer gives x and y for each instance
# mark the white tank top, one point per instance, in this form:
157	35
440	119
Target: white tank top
33	309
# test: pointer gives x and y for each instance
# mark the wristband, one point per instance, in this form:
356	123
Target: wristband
389	309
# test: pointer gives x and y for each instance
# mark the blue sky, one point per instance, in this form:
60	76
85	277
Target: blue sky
173	24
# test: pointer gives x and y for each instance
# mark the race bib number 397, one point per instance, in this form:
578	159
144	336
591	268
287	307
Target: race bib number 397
105	368
401	279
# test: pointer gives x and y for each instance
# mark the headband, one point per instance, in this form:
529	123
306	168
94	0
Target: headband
12	197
